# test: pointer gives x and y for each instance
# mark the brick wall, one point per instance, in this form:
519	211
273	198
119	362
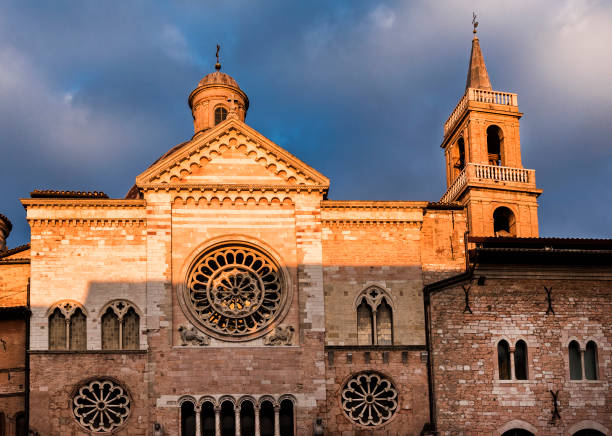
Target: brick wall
471	399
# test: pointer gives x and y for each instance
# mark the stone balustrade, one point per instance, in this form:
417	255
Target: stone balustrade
481	96
474	172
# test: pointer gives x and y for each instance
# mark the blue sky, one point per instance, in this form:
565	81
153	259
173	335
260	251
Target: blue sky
92	92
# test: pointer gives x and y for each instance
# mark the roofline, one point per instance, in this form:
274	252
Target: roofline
15	250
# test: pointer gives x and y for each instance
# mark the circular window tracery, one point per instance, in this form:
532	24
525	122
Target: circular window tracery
101	405
369	399
235	290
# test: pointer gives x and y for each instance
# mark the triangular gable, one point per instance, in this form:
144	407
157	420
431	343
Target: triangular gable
231	153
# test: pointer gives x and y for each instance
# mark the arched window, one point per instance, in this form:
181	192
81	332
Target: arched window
517	432
590	361
20	424
494	139
188	419
503	360
220	114
384	324
228	419
266	419
247	418
67	327
207	418
504	223
460	164
374	317
120	326
57	330
575	361
286	417
520	360
364	324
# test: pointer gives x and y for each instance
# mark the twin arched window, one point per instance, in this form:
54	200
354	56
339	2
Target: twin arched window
576	361
120	326
507	356
68	326
374	318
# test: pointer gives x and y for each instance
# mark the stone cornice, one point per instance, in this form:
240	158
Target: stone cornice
350	204
81	202
375	221
172	187
93	222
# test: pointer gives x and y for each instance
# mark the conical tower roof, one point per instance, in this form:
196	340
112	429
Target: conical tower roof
477	76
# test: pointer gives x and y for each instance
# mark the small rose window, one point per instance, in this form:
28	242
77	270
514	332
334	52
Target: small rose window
101	406
369	399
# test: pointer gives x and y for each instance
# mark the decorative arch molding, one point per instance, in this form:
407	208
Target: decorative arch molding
373	300
517	423
225	398
207	399
120	307
287	397
587	424
246	398
67	307
186	399
268	398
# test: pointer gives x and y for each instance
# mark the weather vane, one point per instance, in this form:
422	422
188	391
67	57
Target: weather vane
218	65
474	22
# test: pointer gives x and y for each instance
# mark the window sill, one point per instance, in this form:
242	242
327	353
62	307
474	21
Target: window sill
587	381
87	351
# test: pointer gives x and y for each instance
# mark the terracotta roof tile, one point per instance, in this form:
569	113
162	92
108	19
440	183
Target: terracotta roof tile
49	193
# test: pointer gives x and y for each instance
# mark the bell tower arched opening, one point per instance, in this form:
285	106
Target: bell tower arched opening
504	222
494	145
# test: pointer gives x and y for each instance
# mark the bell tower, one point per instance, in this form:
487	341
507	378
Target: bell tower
482	148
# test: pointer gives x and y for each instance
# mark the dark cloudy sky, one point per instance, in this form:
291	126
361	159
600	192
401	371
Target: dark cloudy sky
92	92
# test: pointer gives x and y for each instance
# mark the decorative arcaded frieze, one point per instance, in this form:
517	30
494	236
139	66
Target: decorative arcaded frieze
234	199
377	222
89	222
227	188
69	203
349	204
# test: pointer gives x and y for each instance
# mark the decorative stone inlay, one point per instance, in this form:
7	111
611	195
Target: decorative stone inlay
101	406
369	399
235	290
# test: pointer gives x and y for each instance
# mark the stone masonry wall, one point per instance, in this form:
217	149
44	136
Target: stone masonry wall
406	369
470	398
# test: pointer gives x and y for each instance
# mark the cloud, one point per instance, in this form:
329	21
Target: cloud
383	17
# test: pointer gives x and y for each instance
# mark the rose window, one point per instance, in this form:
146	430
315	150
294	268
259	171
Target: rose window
234	290
101	406
369	399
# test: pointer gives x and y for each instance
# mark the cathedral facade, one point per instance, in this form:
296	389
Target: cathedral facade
226	294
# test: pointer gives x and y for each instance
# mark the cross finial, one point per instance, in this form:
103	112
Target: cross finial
474	22
218	65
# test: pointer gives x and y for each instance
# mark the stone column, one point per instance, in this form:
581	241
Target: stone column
276	420
512	376
374	329
257	429
582	362
197	410
237	415
217	420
